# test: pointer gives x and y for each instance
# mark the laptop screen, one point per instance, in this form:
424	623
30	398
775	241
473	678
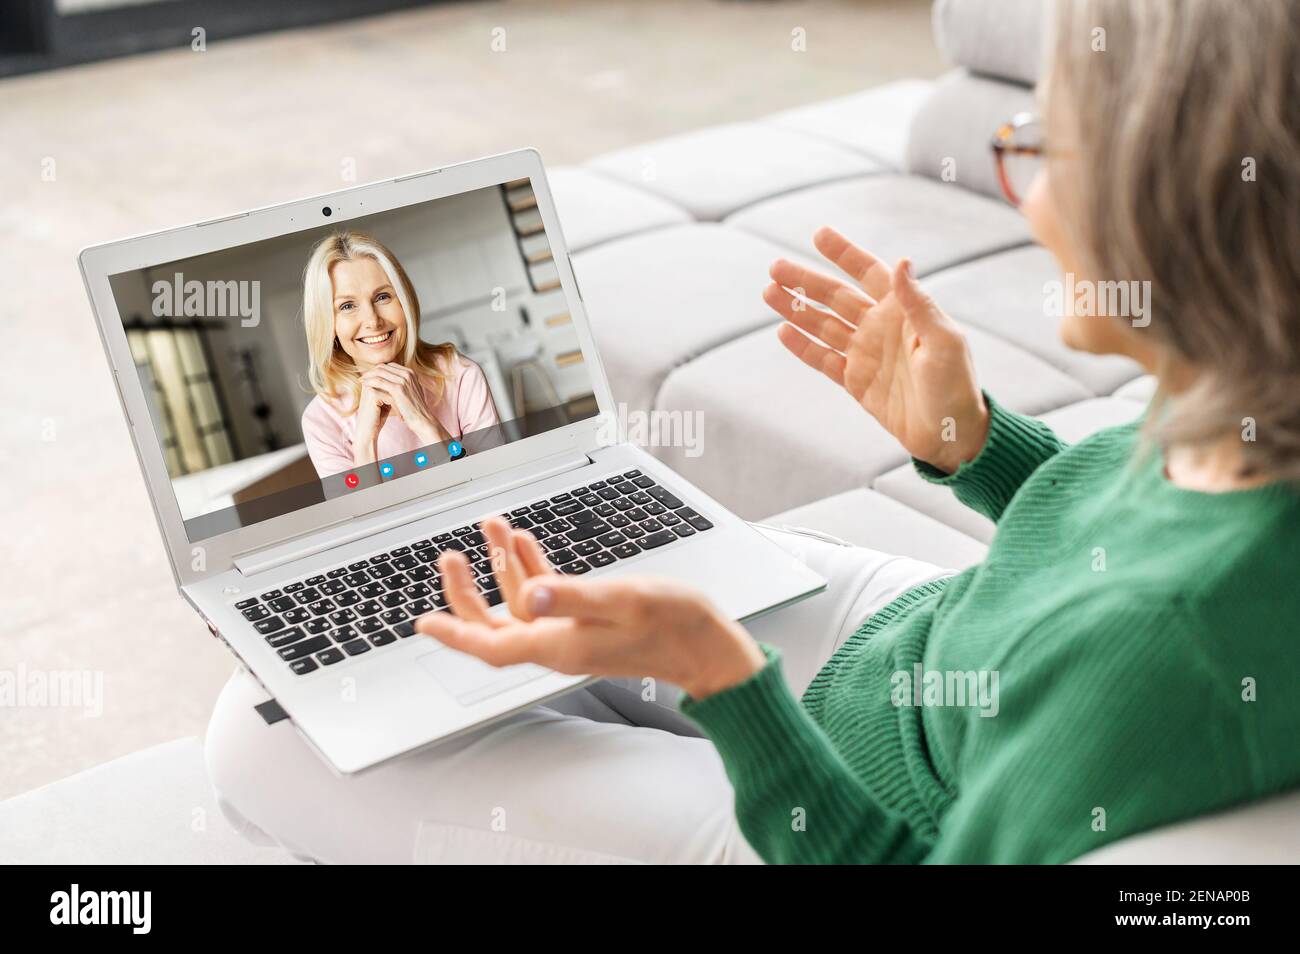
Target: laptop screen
294	370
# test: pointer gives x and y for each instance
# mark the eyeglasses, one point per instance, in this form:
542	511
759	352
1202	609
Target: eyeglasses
1018	151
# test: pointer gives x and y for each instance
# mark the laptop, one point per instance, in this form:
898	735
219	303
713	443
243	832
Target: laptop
311	561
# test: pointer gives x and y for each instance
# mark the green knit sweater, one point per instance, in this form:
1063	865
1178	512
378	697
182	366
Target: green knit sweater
1126	656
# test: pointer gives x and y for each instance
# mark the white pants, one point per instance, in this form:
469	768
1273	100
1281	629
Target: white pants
600	775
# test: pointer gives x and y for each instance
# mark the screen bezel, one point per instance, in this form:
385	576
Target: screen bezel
196	560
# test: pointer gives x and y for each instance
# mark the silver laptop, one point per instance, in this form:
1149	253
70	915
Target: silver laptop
313	568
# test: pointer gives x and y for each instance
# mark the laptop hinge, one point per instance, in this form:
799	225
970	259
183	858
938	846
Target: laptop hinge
358	528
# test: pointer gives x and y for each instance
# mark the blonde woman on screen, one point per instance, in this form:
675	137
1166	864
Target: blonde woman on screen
380	390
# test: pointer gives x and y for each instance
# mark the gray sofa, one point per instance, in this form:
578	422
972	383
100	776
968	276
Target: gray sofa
671	242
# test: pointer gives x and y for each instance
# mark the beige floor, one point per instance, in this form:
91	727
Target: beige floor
155	141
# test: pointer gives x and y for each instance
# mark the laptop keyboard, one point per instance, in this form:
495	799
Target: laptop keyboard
371	603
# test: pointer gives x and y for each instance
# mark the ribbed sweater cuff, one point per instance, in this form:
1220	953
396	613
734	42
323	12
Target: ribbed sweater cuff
1016	446
754	722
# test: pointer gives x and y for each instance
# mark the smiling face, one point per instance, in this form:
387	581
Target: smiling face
369	322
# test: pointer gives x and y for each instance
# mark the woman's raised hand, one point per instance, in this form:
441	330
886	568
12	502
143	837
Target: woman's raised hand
887	343
627	626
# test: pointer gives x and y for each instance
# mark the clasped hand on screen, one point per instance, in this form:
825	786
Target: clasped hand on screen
882	339
392	388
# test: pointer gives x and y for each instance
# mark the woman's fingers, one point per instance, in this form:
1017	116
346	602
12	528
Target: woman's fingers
506	566
859	264
463	595
824	326
817	357
842	298
531	555
547	642
920	307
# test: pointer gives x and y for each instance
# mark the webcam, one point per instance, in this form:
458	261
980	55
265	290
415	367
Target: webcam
327	211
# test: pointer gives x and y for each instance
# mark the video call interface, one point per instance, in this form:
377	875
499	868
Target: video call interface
295	370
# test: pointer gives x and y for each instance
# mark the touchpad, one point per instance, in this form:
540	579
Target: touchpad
471	680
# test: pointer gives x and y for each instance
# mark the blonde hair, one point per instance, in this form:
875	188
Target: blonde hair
332	371
1184	136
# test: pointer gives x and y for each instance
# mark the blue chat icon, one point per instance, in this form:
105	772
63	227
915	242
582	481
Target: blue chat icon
421	459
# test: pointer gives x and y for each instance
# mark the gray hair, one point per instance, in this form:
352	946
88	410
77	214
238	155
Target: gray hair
1186	132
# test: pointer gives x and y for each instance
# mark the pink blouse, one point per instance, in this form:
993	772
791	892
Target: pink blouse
466	406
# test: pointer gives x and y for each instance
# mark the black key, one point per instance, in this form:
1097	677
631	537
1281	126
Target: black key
268	626
329	657
487	582
581	517
420	573
381	570
626	487
588	530
636	513
373	591
492	597
254	613
304	648
393	599
620	520
595	485
640	497
368	608
439	600
483	567
245	604
357	579
586	548
655	509
404	629
359	565
335	574
650	526
294	587
557	542
589	500
343	617
625	550
632	473
316	580
309	595
371	625
330	587
633	531
272	595
393	616
343	634
442	538
315	626
283	604
285	637
382	638
421	545
462	531
669	518
420	607
622	503
397	582
427	556
566	508
607	493
542	512
644	481
699	523
303	666
611	539
664	497
652	540
399	551
519	511
378	558
295	616
558	526
521	523
540	533
349	598
684	530
454	545
578	491
405	563
356	647
576	567
322	607
603	558
560	498
561	557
